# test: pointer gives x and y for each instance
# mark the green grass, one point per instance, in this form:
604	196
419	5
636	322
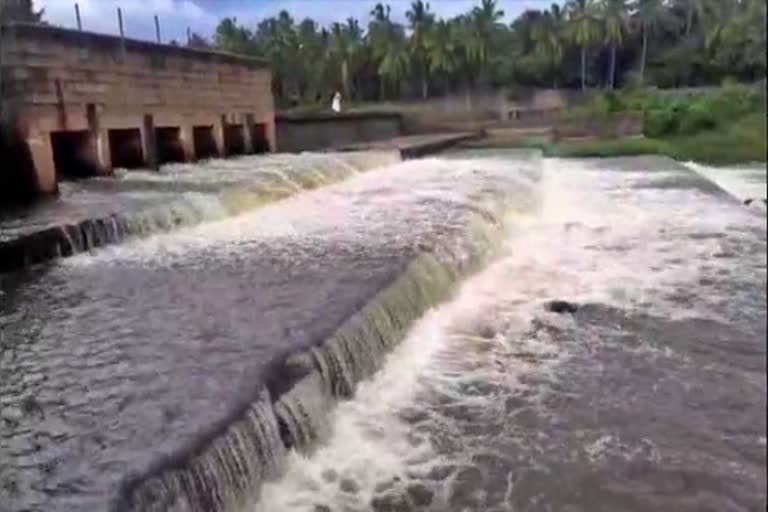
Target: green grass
740	141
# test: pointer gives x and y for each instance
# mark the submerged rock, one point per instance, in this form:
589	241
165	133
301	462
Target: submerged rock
349	486
420	495
749	201
390	502
561	307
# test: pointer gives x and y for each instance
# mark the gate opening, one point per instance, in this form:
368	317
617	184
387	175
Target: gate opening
18	179
74	154
259	138
125	148
234	140
169	147
205	142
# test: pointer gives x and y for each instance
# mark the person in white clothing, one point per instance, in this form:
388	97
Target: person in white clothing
336	103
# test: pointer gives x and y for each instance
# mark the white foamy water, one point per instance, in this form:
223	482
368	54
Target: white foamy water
450	421
404	193
744	182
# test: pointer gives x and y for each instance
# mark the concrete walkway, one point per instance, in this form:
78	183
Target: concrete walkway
414	146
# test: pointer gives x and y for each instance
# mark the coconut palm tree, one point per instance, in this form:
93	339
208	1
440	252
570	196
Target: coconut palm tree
484	23
583	30
394	62
650	14
389	47
719	17
691	9
346	40
442	48
547	34
19	10
615	15
735	34
232	37
420	20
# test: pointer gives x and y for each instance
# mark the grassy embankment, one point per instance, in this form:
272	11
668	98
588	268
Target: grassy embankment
722	127
740	141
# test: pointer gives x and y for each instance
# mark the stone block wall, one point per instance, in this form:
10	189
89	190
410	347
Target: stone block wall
57	81
309	132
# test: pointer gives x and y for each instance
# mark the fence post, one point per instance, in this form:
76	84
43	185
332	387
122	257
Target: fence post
122	31
2	51
77	17
157	29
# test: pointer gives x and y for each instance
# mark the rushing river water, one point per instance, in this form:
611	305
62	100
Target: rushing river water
650	397
163	374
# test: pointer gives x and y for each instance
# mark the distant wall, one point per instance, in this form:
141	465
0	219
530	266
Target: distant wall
328	130
623	124
479	109
86	96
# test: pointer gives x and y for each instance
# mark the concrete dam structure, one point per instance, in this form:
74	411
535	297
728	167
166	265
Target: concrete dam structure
82	104
481	330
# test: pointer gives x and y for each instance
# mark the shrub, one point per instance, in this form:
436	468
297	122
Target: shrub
657	123
693	113
697	117
614	102
663	116
633	82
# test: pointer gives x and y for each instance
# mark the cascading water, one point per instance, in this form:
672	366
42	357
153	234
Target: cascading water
255	364
255	324
106	211
747	182
649	396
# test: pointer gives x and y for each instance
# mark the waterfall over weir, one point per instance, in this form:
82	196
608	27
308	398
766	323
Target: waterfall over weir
178	371
105	211
229	463
290	412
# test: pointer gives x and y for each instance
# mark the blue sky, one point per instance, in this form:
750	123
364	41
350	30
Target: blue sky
203	15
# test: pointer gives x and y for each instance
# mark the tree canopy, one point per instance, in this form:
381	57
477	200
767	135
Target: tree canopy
19	10
573	44
577	43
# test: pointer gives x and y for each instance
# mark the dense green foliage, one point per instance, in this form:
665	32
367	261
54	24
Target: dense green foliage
690	114
730	142
579	43
676	112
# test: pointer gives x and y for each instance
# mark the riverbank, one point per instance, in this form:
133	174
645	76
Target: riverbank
743	141
738	142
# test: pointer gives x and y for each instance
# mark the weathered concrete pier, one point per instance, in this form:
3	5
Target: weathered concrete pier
86	103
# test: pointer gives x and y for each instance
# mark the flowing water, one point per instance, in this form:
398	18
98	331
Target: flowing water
651	396
746	182
101	211
157	372
254	363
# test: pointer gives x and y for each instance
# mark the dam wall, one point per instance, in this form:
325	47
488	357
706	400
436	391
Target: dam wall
309	132
81	104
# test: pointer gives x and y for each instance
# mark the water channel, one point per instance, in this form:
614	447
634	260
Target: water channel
484	331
